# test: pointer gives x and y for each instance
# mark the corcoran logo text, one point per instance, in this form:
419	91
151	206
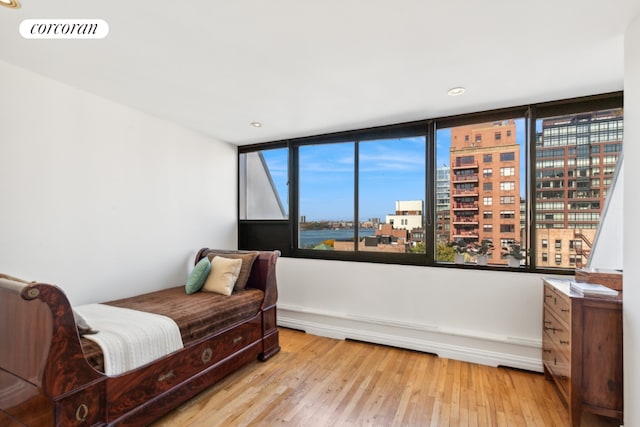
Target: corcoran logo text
64	29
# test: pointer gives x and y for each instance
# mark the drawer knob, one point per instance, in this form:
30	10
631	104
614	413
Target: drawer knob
564	342
166	376
206	354
82	412
236	340
564	310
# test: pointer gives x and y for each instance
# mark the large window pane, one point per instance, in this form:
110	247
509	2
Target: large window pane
391	195
575	157
483	165
364	190
263	184
326	197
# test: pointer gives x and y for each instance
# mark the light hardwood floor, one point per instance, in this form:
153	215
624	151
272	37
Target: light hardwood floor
318	381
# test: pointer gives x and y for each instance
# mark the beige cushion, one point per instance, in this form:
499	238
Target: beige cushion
247	263
223	275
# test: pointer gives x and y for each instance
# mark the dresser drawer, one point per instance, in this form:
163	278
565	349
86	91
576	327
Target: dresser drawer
82	408
558	302
558	332
558	365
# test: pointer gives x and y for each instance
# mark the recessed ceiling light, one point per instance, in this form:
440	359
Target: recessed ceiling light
14	4
455	91
254	124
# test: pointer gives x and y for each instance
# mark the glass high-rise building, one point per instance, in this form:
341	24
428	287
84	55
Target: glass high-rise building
443	203
576	157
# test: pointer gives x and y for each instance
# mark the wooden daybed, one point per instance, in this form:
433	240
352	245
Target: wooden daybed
46	378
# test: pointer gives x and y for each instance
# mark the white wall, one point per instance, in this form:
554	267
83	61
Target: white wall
607	247
485	317
101	199
631	297
258	195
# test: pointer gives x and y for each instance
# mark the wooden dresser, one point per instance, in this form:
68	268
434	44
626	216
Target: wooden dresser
582	349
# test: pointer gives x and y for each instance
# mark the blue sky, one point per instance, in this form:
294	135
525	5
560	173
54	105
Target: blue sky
390	170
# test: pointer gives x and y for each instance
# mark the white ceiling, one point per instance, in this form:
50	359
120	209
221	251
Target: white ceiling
305	68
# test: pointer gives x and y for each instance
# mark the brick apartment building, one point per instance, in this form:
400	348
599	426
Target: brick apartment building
485	184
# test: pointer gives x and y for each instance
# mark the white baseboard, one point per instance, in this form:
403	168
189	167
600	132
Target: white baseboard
468	346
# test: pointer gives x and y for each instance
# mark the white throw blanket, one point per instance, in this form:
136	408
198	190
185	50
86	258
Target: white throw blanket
130	338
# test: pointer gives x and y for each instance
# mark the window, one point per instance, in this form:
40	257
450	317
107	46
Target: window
263	177
612	148
350	188
545	243
587	187
575	245
507	200
464	161
558	259
390	196
510	171
504	243
473	189
507	214
507	186
326	196
391	178
507	228
545	257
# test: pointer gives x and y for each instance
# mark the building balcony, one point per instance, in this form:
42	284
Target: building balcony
458	220
465	206
460	166
465	178
465	235
465	193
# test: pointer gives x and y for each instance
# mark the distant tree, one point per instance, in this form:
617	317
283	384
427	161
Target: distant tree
418	248
444	252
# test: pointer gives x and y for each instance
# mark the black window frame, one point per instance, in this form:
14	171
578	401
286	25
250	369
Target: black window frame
427	127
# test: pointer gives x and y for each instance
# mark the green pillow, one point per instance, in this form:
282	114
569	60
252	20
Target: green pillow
196	279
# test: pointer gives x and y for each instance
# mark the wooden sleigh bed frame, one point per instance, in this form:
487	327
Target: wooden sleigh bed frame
46	380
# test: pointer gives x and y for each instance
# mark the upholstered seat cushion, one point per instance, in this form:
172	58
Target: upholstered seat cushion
196	315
